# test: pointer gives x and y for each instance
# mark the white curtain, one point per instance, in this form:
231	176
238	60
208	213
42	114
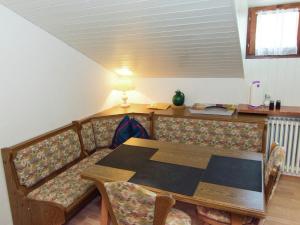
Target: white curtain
276	32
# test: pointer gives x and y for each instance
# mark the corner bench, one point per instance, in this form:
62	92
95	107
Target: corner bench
43	174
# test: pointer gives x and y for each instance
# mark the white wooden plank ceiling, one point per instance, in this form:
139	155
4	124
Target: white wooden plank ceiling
156	38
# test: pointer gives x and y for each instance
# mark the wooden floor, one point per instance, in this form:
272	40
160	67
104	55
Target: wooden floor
283	209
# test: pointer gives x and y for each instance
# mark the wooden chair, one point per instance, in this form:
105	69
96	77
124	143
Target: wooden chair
130	204
272	173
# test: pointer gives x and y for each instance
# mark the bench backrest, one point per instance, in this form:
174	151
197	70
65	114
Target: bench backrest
88	137
39	158
220	134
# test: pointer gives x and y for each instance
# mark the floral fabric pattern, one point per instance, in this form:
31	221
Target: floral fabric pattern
133	204
220	134
88	138
37	161
275	161
177	217
65	188
223	217
105	127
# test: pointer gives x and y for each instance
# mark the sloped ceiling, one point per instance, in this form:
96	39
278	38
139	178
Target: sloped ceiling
156	38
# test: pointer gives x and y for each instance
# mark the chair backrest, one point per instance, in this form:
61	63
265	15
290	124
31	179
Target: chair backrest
129	203
273	169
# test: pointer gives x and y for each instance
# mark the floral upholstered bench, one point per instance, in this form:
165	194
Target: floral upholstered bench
228	135
43	176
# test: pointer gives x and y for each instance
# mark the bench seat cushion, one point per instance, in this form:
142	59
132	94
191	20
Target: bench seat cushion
65	188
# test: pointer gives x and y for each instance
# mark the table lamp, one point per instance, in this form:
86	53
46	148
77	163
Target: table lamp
124	84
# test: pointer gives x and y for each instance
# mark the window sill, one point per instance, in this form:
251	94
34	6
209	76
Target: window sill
271	56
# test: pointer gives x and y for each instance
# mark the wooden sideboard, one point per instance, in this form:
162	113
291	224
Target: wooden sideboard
142	109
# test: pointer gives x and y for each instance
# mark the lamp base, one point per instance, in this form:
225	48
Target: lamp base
125	105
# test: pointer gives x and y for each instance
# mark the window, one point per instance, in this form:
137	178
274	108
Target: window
273	31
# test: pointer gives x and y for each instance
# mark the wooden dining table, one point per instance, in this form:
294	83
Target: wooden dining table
212	177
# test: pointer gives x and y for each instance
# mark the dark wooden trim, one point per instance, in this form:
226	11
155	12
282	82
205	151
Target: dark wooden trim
45	213
79	129
278	6
251	31
272	56
264	138
18	204
151	118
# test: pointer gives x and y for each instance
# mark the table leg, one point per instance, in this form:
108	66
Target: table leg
104	217
236	219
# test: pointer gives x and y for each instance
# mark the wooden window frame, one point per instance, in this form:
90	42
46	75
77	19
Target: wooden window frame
251	30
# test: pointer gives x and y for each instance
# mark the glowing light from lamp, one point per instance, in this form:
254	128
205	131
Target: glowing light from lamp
124	84
124	71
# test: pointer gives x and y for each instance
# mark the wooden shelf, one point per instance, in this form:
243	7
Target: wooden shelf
284	111
142	109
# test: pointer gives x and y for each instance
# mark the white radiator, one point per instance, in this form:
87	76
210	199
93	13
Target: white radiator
286	132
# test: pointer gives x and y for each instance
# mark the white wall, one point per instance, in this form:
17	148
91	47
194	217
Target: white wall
280	77
205	90
44	84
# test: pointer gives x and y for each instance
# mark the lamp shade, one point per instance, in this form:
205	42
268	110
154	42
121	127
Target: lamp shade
124	83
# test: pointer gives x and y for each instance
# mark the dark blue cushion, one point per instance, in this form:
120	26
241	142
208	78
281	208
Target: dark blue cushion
126	129
138	130
122	133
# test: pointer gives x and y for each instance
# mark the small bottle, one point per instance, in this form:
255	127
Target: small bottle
271	106
278	105
267	100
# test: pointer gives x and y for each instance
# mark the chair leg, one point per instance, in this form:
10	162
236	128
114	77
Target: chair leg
104	217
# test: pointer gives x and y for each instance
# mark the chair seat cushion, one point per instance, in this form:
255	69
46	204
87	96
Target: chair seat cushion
222	216
68	186
177	217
